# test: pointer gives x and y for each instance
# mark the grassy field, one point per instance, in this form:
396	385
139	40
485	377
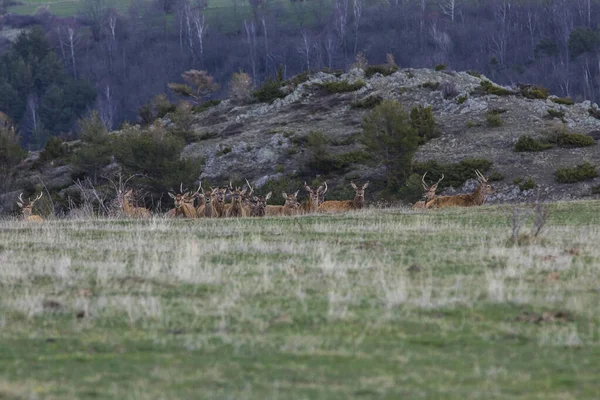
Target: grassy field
380	304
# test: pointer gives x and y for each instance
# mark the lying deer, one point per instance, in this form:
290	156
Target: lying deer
259	208
477	198
184	204
218	201
429	192
205	206
346	205
289	208
236	207
314	198
27	208
132	211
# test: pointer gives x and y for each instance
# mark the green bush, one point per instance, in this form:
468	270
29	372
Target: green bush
285	184
269	91
440	67
158	107
575	140
567	101
342	86
223	150
431	85
298	79
412	191
594	112
350	158
53	149
527	143
316	139
472	124
493	119
534	92
183	121
552	113
525	184
487	87
462	99
581	172
368	102
383	69
495	176
206	105
474	73
455	174
421	119
96	150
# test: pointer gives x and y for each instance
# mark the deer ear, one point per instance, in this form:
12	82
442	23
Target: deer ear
284	195
365	185
296	194
20	204
268	196
353	185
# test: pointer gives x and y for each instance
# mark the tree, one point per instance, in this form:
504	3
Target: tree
583	40
387	133
199	85
11	153
96	151
240	87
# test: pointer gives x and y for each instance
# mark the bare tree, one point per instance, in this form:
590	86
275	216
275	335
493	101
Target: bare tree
357	9
251	40
449	8
304	48
201	27
330	48
341	21
106	108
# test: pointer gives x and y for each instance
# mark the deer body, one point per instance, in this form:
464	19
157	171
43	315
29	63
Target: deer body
132	211
184	205
289	208
476	198
346	205
260	206
218	201
205	209
236	208
314	198
429	192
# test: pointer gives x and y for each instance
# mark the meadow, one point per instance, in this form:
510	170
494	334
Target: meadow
373	304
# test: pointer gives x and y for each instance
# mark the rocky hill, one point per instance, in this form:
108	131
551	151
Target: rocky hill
267	142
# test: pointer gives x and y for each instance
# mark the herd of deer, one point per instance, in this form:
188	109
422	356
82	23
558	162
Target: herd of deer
244	203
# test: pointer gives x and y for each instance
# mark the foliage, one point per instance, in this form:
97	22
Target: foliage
206	105
412	191
269	91
421	119
487	87
579	173
527	143
525	184
440	67
360	61
583	40
455	174
96	150
534	92
431	85
158	107
594	112
368	102
388	134
575	140
383	69
462	99
567	101
495	176
342	86
552	113
182	120
240	88
11	154
53	149
449	90
474	73
198	85
493	119
284	184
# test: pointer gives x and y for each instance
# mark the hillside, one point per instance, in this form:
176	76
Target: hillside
268	142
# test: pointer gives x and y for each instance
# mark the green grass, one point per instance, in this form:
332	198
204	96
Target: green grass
323	307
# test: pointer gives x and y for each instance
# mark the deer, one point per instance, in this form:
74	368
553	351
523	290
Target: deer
289	208
259	209
184	204
236	207
346	205
429	192
477	198
132	211
205	206
218	201
27	208
314	198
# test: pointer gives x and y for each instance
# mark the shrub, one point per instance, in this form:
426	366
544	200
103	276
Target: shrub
474	73
472	124
527	143
455	174
223	150
269	91
462	99
552	113
352	157
360	61
279	168
383	69
575	140
412	191
342	86
421	119
285	184
96	150
389	135
596	190
525	184
594	112
431	85
440	67
316	139
158	107
488	87
495	176
567	101
579	173
298	79
198	85
11	154
183	121
448	90
206	105
493	119
240	87
534	92
53	149
368	102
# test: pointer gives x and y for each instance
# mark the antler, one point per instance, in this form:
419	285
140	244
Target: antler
250	186
21	198
438	182
480	176
197	191
37	198
423	181
324	183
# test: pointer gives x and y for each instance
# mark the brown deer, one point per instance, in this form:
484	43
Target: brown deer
477	198
132	211
259	208
236	207
314	198
429	192
205	206
346	205
218	201
27	208
184	204
289	208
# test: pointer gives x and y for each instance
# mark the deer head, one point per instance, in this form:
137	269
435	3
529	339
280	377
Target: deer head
291	200
260	204
27	205
485	188
237	195
315	195
430	190
180	198
359	194
219	194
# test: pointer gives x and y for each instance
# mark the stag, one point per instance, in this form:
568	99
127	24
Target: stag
184	203
27	208
205	206
314	198
218	201
259	208
477	198
346	205
236	207
132	211
429	192
289	208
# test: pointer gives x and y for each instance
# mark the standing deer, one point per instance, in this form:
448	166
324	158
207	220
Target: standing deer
259	208
314	198
289	208
27	208
132	211
236	207
346	205
429	192
184	204
477	198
